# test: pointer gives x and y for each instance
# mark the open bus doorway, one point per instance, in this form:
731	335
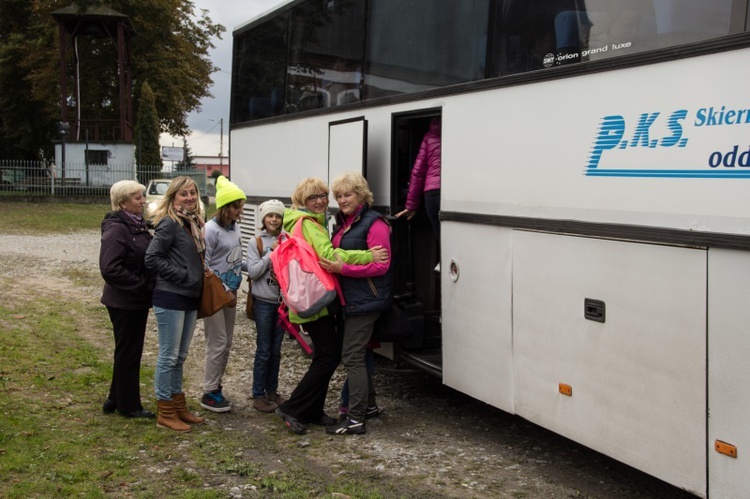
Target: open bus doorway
417	249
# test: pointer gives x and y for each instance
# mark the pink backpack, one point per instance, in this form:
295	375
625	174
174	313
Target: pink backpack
306	287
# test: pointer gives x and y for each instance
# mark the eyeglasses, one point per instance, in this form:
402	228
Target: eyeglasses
317	197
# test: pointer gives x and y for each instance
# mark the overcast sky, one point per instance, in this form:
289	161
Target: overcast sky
205	124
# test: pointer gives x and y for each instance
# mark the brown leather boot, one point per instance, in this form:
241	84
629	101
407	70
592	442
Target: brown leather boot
180	406
262	404
167	417
276	398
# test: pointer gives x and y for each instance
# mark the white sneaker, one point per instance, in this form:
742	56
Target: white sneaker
437	268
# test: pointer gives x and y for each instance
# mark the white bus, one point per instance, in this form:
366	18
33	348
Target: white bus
595	201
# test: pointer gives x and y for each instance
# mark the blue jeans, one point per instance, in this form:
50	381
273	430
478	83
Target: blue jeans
175	332
269	337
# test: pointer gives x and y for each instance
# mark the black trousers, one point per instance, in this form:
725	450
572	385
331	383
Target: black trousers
307	401
432	206
130	330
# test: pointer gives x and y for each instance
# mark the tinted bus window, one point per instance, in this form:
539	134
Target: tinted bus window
320	54
326	53
546	33
420	44
258	71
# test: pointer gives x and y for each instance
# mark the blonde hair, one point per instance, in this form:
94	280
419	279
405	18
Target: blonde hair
165	208
353	182
122	191
305	189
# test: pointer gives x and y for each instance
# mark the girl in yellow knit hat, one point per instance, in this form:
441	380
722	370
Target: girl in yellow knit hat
224	257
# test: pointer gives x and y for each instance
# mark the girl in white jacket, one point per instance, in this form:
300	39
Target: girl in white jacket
266	292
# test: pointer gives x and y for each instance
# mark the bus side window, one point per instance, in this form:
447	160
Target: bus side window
620	28
536	35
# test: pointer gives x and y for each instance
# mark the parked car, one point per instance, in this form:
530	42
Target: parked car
155	191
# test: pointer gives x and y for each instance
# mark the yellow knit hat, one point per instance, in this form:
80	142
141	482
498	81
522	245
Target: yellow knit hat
227	192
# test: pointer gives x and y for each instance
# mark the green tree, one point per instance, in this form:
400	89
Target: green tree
187	163
147	153
169	49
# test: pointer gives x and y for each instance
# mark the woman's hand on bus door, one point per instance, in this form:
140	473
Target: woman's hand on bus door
332	266
408	213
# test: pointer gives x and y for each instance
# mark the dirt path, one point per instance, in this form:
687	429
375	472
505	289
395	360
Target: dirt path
443	443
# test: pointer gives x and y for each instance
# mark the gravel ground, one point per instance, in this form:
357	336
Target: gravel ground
442	443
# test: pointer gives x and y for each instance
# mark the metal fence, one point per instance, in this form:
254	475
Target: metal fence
40	179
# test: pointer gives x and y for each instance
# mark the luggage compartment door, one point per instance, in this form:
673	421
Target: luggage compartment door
610	349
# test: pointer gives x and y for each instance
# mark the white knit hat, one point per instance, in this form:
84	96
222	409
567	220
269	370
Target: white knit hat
268	207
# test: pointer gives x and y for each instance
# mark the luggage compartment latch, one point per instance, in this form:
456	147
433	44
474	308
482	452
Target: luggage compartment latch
594	310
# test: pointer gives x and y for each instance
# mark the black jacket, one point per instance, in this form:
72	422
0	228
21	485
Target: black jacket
174	257
128	285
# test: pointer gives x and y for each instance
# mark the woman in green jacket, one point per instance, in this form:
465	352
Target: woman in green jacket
305	405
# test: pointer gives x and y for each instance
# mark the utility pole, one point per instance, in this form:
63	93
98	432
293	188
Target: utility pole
221	143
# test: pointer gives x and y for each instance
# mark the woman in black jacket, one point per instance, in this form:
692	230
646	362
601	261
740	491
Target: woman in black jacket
127	293
176	256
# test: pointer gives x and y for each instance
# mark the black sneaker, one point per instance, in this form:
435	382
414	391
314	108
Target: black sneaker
215	401
373	411
347	427
291	422
109	406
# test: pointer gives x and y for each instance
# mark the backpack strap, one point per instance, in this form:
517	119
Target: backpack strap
292	329
297	229
297	232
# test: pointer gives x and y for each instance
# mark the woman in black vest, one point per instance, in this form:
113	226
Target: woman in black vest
366	288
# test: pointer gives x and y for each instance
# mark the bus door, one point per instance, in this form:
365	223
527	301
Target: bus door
347	149
347	152
417	249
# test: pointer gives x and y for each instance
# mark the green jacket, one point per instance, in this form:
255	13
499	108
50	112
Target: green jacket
316	234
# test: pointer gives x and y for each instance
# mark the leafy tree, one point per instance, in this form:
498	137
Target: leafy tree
169	49
187	163
148	153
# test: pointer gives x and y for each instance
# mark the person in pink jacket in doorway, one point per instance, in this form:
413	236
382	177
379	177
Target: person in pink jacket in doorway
425	178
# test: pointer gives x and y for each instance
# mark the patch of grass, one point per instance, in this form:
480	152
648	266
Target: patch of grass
55	441
45	218
46	438
83	277
241	468
186	475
